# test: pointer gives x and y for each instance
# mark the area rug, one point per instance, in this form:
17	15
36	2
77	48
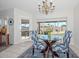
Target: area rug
37	54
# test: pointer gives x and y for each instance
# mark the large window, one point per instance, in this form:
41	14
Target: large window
55	28
24	28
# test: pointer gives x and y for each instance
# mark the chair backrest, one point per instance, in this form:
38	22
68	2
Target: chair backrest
34	37
67	38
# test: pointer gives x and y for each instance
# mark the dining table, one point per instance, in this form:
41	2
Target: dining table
49	41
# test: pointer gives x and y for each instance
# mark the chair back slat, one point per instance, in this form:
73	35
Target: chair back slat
34	37
67	38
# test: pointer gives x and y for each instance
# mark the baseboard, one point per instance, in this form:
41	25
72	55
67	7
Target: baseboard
75	49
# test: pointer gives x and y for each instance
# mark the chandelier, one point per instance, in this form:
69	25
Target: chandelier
46	7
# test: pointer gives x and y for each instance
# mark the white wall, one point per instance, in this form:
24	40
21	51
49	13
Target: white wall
58	15
7	12
76	24
18	15
5	15
15	30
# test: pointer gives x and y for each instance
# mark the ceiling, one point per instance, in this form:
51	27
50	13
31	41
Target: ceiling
32	5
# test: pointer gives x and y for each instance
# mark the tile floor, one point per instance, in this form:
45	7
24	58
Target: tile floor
37	54
16	50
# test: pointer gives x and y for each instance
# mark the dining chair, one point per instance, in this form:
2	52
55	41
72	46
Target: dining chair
36	43
64	48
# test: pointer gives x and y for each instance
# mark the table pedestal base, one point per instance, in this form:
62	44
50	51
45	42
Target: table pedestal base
49	49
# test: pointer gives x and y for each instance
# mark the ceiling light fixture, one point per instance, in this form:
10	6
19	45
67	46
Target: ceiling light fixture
46	7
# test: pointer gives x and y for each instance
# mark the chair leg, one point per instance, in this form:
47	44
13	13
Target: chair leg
33	51
67	54
44	55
